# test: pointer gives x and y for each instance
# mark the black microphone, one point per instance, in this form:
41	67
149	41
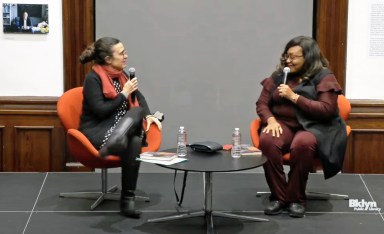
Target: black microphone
131	72
286	70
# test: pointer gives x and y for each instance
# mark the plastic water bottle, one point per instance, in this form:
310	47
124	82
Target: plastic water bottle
236	143
182	142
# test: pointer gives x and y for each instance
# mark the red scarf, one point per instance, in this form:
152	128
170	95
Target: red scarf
106	73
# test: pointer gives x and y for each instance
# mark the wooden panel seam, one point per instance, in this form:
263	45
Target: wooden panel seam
365	130
34	127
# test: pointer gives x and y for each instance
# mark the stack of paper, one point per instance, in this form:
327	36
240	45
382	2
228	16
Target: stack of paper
163	158
249	150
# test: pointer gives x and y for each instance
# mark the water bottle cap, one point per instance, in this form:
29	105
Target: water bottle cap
237	129
181	127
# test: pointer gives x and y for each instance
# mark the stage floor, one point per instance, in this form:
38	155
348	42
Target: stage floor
30	204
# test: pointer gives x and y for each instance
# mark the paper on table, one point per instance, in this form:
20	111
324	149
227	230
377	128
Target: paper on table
251	153
250	150
162	162
167	156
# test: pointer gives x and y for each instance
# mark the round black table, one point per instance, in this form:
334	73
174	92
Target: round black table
220	161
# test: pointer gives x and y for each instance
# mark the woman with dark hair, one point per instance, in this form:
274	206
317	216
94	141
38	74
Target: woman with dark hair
25	22
112	117
299	116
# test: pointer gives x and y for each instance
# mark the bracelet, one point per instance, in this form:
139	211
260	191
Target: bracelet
146	117
294	99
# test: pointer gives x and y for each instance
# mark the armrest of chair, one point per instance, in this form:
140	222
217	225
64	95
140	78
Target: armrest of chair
254	131
154	138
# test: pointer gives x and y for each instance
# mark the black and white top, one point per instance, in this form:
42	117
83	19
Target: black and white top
100	115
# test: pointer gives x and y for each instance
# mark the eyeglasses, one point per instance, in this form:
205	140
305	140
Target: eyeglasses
123	53
291	56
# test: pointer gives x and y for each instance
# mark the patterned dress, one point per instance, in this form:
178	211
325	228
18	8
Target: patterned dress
121	111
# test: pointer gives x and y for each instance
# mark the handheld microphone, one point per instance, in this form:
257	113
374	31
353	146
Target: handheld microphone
286	70
131	72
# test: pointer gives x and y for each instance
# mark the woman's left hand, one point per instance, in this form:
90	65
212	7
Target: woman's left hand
152	119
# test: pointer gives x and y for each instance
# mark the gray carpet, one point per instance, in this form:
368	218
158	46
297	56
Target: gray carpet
29	203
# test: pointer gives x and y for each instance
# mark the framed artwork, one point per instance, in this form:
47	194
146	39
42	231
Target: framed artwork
25	18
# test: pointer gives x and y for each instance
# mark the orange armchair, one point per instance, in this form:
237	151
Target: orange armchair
69	109
344	110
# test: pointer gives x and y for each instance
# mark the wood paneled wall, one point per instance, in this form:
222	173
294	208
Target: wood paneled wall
31	136
32	139
331	34
79	32
366	143
367	117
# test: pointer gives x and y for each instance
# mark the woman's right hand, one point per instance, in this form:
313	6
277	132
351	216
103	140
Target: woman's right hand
130	86
274	127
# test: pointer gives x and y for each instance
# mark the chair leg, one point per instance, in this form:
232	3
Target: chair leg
259	194
142	198
316	195
325	196
104	194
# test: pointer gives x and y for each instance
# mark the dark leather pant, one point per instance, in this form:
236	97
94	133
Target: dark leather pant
129	165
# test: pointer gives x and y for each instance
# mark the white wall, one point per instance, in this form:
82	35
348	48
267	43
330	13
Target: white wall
32	64
365	49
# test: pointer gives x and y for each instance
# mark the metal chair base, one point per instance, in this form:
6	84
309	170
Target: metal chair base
317	195
207	212
104	194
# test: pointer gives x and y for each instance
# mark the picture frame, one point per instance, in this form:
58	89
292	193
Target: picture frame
25	18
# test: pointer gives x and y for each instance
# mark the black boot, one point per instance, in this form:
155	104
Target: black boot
296	210
119	138
129	174
274	208
127	206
